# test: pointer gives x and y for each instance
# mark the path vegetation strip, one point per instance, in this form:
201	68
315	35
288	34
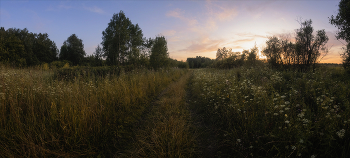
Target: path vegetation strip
167	131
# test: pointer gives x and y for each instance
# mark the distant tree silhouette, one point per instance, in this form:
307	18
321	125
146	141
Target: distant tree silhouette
308	46
159	57
98	56
24	48
73	50
303	54
199	62
122	41
342	21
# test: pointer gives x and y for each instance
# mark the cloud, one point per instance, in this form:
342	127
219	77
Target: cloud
178	13
251	35
59	7
95	9
169	32
226	13
203	45
62	6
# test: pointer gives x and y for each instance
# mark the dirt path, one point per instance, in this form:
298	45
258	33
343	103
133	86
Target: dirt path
166	130
207	144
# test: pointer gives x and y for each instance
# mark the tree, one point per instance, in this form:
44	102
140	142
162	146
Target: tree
98	56
273	51
252	55
159	54
73	50
37	48
122	41
308	45
44	49
304	53
342	21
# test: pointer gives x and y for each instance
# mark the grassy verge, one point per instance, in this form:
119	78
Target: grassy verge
44	117
259	112
167	131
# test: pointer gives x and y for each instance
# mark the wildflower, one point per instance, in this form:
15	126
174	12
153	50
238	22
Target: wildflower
283	106
283	96
275	114
301	141
281	111
293	147
287	102
2	96
305	121
274	99
286	109
341	133
286	122
313	156
285	115
276	106
238	140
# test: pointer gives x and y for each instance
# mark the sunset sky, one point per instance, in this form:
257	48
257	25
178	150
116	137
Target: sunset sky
192	28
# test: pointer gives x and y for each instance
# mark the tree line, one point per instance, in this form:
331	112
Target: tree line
122	44
304	53
24	48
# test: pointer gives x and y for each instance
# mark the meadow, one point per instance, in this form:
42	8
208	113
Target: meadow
240	112
260	112
41	116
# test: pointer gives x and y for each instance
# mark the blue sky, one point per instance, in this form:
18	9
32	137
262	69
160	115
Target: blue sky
192	28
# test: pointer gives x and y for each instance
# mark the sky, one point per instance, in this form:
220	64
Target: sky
192	27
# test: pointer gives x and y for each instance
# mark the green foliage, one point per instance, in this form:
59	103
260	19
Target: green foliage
87	72
346	57
159	57
122	41
226	59
261	112
72	50
23	48
342	21
59	64
199	62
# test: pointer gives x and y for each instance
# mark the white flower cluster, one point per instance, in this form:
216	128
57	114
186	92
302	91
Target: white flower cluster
341	133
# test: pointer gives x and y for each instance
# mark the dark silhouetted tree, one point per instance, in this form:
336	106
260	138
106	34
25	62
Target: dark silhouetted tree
309	46
98	56
73	50
159	57
122	41
253	55
37	48
342	21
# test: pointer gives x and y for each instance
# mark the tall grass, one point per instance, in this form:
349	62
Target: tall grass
260	112
44	117
167	130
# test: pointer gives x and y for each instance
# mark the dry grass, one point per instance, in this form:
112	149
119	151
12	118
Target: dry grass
44	117
167	131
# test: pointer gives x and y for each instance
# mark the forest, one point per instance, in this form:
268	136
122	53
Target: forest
130	99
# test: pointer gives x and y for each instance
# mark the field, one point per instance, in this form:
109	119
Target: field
241	112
